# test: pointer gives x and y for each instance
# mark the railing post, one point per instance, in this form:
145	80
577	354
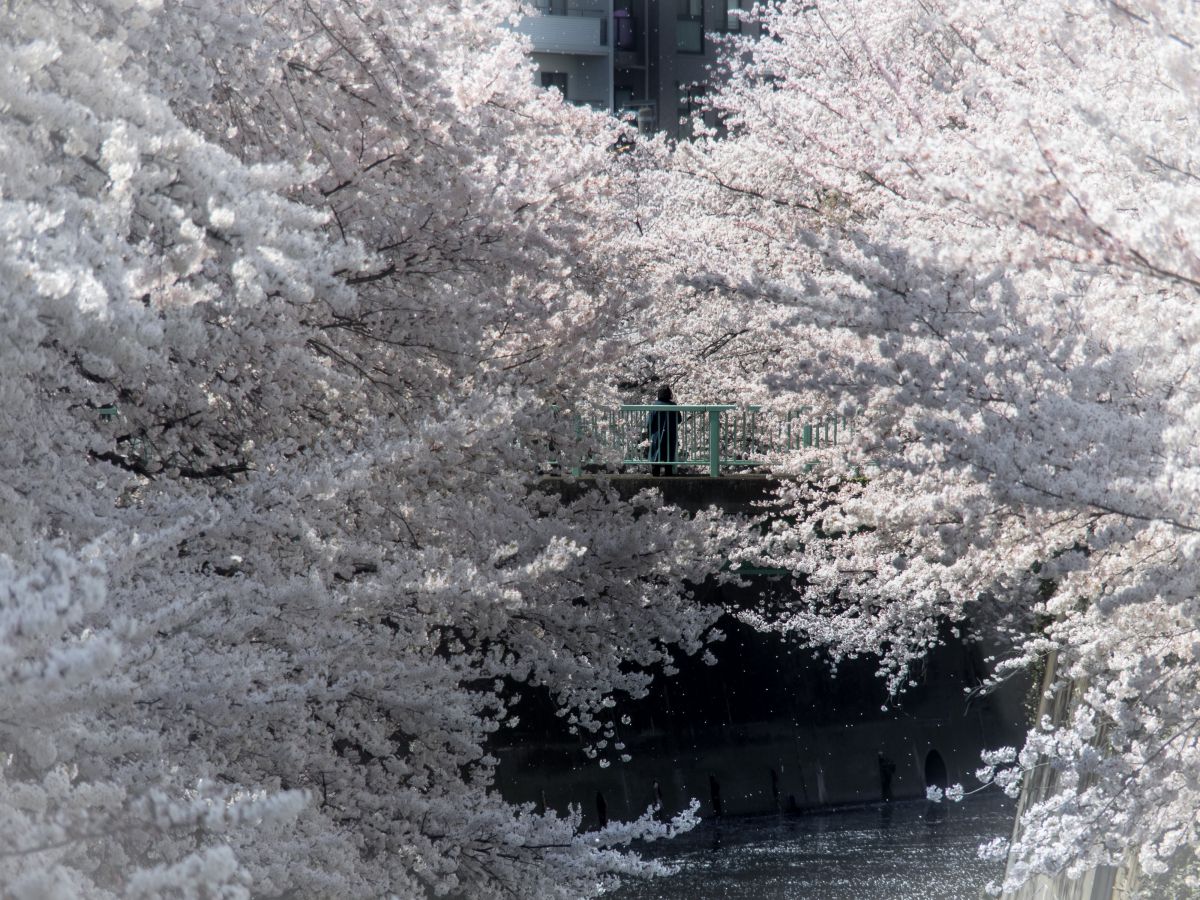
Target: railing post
806	435
714	443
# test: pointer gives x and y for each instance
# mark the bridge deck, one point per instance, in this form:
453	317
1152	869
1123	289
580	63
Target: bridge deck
735	493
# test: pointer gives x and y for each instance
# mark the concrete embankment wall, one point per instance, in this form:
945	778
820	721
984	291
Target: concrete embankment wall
768	729
1101	883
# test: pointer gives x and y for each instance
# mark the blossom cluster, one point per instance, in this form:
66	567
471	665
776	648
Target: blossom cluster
291	292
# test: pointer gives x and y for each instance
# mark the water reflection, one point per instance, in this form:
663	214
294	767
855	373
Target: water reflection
910	850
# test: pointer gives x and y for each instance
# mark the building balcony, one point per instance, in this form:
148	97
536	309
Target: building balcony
581	32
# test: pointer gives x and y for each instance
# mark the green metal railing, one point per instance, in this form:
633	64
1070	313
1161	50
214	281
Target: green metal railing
712	436
802	431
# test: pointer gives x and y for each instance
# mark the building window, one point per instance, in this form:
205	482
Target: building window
551	7
689	26
555	80
732	21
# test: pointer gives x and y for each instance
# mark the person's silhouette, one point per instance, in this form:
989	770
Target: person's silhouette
663	427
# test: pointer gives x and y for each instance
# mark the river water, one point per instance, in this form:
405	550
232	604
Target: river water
910	850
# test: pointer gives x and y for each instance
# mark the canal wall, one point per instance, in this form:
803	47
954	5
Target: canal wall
1056	702
769	728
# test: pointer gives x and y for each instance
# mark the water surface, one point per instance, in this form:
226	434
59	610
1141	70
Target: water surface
910	850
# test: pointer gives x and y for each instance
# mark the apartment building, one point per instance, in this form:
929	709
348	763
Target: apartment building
645	58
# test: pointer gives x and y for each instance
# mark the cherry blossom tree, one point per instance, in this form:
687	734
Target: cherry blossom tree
976	222
291	290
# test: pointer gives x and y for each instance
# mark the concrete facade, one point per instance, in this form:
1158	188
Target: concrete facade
649	59
587	77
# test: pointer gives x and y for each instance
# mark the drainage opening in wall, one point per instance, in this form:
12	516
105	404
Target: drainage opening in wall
935	770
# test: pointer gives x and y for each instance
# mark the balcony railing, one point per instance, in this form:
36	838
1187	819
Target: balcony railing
578	31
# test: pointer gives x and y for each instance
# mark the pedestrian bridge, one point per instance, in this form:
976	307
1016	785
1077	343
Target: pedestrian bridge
712	437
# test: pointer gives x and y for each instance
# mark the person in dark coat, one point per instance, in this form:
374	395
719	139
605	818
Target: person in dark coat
663	427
